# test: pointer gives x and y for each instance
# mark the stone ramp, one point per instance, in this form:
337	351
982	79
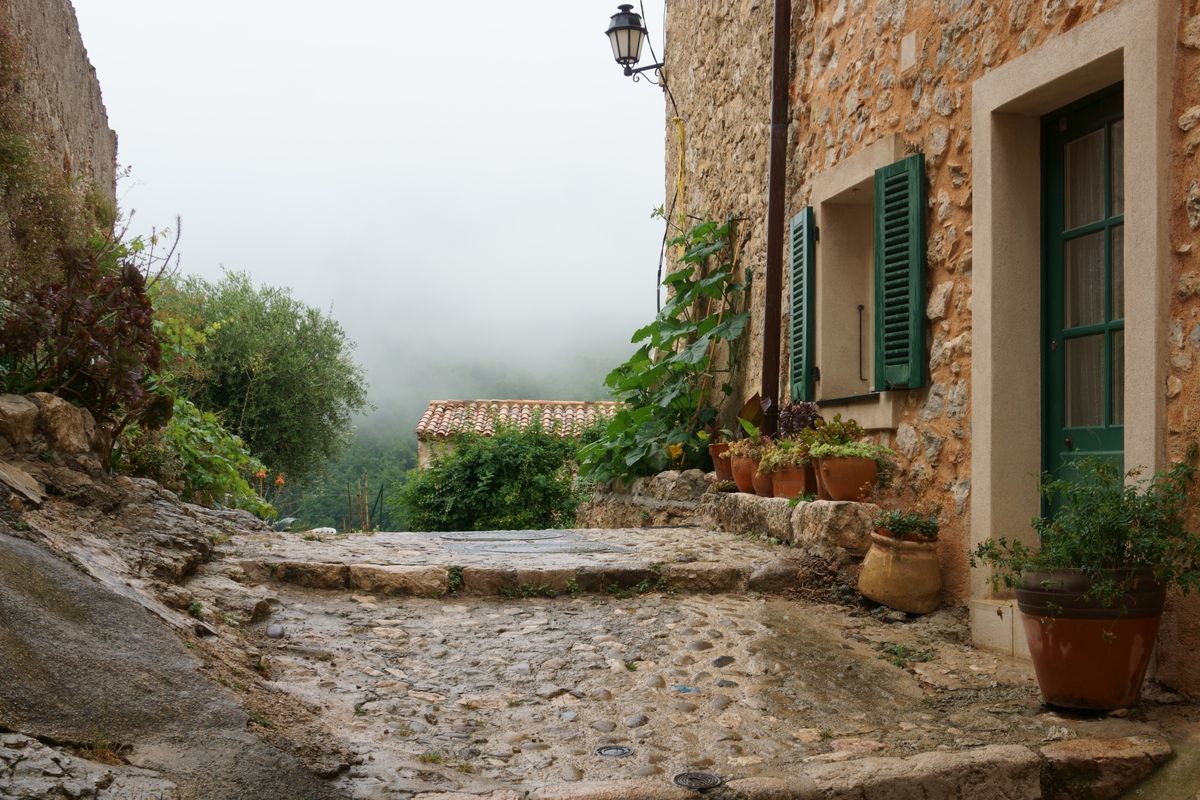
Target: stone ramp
518	563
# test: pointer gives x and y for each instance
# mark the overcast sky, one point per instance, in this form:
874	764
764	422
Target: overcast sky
461	182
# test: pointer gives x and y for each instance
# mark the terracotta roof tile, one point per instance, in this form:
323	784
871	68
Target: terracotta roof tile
445	418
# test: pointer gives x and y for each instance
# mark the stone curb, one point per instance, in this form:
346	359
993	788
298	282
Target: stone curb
995	772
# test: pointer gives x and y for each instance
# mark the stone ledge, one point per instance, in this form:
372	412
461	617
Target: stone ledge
1099	769
831	529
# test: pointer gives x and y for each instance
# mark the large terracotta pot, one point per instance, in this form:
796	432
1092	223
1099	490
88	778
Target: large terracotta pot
901	575
1085	655
793	482
743	473
763	483
848	478
720	457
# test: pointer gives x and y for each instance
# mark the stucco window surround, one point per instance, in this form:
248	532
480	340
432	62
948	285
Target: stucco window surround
1133	43
844	344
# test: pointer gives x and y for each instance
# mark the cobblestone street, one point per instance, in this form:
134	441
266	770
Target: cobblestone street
483	695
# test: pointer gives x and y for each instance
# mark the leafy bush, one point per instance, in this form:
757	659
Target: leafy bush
514	480
665	386
910	524
1109	529
197	457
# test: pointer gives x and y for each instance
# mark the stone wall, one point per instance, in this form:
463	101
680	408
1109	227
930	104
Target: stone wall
863	70
1181	626
60	90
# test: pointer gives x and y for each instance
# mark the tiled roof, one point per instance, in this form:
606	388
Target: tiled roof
445	418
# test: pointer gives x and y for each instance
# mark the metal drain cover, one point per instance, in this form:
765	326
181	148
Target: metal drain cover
614	751
501	536
697	780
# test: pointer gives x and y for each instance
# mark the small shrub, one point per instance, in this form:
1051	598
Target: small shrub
794	418
514	480
1110	529
911	525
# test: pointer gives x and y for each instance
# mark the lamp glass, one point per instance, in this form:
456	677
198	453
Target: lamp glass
626	35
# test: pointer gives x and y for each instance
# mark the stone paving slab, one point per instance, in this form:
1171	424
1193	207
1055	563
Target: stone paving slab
492	563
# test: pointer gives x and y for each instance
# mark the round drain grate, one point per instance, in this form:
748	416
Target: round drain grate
614	751
697	780
501	536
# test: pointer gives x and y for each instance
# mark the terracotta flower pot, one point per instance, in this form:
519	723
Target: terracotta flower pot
901	575
1085	655
743	473
719	452
848	478
763	483
792	482
822	493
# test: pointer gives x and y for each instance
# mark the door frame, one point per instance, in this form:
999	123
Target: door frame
1133	42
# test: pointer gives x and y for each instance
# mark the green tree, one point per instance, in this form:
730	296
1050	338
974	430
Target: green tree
374	461
279	373
513	480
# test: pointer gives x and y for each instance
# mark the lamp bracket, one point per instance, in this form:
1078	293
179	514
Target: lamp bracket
636	74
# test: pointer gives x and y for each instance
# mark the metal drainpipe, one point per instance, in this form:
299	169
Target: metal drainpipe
776	190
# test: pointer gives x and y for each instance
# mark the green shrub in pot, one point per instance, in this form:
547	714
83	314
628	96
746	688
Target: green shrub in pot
1092	594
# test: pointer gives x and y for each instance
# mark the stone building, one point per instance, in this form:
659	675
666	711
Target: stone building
445	419
1037	290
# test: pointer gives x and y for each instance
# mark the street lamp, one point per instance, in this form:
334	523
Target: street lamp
626	33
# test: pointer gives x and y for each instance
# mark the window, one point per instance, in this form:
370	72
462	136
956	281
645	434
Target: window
858	299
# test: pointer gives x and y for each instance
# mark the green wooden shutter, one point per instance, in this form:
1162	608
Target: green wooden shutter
803	237
900	274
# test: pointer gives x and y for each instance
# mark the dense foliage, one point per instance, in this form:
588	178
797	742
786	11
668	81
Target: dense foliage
194	455
514	480
279	373
88	337
1108	528
666	385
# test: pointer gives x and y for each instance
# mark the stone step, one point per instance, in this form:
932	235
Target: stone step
519	563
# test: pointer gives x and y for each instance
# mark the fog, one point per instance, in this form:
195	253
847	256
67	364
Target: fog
465	186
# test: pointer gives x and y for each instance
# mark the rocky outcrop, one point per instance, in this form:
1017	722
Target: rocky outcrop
83	663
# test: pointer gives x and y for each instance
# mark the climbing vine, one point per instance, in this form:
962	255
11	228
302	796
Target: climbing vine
667	386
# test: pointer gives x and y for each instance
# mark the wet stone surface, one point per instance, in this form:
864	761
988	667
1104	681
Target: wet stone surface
476	695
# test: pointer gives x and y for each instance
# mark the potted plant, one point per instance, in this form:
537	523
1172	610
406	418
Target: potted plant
787	480
1091	595
790	468
901	569
719	452
847	466
744	455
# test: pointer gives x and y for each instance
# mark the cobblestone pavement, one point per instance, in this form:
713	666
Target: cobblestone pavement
438	696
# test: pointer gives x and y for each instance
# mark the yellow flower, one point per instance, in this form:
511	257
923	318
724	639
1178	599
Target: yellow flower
675	450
